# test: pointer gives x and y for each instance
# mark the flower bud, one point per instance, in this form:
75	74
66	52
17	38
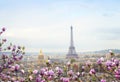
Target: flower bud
35	71
92	71
102	80
17	67
3	29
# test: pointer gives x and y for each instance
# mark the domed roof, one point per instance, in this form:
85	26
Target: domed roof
41	55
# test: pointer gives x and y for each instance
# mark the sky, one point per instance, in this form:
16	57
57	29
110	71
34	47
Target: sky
45	24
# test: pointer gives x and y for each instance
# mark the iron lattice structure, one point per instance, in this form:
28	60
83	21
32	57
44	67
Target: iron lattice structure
72	52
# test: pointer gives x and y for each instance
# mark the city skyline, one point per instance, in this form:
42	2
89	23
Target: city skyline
38	24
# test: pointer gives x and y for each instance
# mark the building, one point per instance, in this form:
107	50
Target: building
72	52
41	58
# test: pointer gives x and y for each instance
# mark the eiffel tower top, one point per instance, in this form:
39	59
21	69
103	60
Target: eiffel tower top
72	52
71	36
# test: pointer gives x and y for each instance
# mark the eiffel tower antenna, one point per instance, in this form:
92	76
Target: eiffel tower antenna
71	53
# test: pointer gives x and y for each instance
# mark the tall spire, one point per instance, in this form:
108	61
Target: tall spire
71	53
71	36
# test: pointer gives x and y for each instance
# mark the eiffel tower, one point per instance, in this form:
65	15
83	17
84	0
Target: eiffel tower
71	53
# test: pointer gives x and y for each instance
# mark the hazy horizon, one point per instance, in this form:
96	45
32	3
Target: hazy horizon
45	24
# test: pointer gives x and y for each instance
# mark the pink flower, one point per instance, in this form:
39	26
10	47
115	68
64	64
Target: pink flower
4	56
70	72
50	78
51	72
1	33
109	68
42	71
13	79
92	71
65	79
46	73
88	63
12	68
4	40
68	63
83	73
78	74
108	63
117	74
102	80
116	62
3	29
17	67
35	71
99	61
30	77
113	64
22	71
20	57
19	47
38	79
59	70
22	80
49	61
8	47
10	61
14	48
83	68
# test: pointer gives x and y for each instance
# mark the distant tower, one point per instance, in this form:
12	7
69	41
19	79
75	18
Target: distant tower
41	57
71	53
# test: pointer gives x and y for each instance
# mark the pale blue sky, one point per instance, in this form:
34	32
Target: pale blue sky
45	24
